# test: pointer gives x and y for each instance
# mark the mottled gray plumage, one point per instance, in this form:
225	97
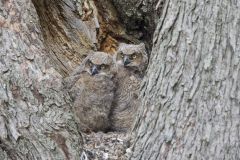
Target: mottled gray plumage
92	90
131	61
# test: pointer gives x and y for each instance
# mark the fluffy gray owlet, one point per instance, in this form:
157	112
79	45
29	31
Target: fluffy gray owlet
130	60
92	90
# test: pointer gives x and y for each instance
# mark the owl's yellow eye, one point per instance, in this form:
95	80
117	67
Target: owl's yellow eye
103	66
121	53
134	56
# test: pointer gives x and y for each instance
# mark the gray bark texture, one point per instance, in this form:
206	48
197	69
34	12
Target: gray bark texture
191	94
68	31
35	117
190	97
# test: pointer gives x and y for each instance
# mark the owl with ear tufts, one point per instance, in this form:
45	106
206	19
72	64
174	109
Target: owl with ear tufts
131	61
92	90
131	57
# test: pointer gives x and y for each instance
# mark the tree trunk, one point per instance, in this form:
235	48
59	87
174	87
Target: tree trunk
35	117
68	31
37	37
191	94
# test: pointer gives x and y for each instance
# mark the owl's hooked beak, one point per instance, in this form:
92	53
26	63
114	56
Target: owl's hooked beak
126	60
94	70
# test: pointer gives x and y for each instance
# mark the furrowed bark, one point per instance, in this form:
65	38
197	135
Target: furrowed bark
35	117
190	96
69	31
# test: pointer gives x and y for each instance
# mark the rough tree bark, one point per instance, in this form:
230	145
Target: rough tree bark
35	117
73	27
37	37
191	95
68	31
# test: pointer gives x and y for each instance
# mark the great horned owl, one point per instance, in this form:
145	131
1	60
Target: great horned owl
92	90
130	60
